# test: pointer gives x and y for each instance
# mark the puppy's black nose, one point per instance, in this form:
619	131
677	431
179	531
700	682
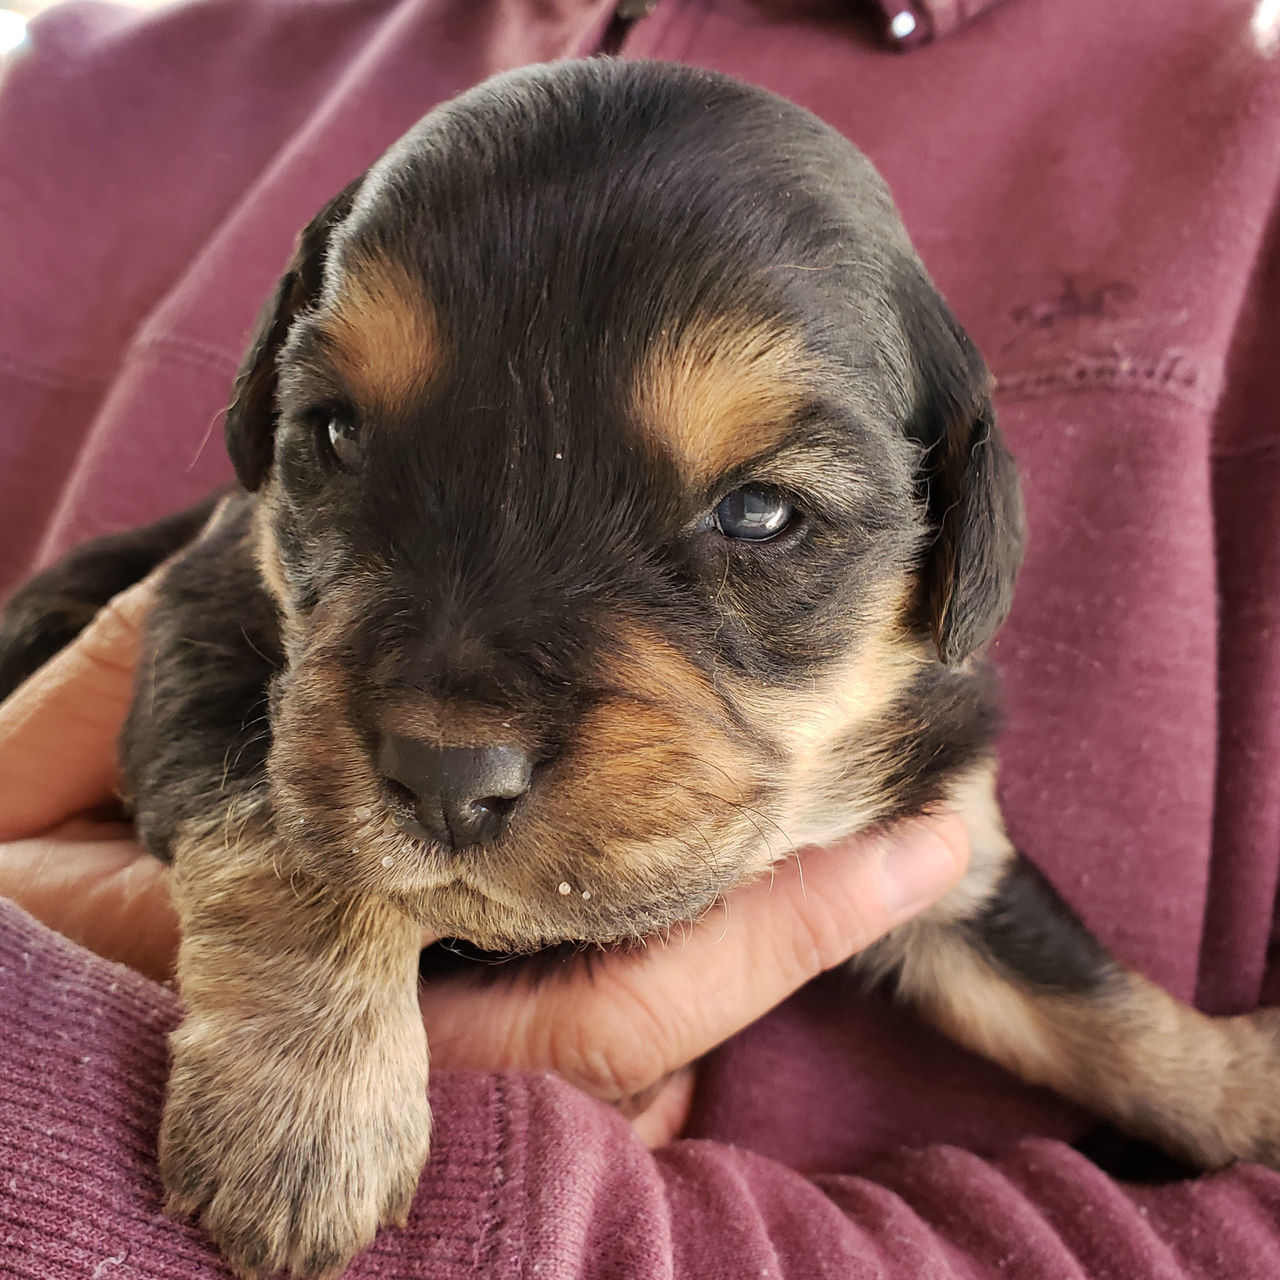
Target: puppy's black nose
460	795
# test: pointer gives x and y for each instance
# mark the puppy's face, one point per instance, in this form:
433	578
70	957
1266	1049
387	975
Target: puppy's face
618	483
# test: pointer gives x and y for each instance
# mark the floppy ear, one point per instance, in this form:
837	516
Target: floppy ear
968	480
251	417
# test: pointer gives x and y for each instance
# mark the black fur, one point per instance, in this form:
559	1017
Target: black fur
1029	930
50	610
201	710
942	723
257	384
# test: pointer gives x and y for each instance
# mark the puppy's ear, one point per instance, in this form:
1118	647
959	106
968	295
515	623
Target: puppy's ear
967	479
251	417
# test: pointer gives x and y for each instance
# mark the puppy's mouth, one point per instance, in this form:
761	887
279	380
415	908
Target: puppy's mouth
493	925
452	958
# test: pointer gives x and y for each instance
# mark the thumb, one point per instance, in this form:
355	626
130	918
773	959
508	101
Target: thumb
58	729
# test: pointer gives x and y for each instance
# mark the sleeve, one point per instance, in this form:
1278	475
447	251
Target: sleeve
531	1178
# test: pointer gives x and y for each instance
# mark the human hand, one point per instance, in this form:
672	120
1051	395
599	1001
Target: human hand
626	1028
67	852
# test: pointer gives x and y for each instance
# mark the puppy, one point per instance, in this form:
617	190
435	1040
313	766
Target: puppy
619	507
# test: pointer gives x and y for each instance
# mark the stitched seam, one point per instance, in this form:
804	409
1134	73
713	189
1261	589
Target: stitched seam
509	1184
1145	377
1046	388
1250	450
52	378
192	350
489	1238
186	350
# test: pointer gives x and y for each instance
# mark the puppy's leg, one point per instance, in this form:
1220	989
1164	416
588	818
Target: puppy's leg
297	1120
1005	967
47	613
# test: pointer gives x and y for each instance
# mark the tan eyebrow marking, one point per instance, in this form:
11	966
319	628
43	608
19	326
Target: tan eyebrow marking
720	392
382	333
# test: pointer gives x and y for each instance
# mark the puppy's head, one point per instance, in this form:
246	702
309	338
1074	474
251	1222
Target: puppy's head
619	469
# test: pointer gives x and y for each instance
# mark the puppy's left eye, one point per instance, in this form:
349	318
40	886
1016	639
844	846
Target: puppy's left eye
753	514
339	429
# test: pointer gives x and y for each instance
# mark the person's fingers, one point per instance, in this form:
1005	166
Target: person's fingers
630	1019
58	729
99	889
666	1109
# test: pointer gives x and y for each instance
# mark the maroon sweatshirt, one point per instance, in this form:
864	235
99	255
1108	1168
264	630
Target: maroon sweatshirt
1092	186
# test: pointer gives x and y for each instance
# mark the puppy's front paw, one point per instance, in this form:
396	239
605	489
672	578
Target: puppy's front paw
294	1159
1220	1100
1251	1088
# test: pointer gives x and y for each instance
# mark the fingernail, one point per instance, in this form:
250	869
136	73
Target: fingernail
918	868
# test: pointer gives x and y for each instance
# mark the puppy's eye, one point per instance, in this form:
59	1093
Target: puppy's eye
753	514
339	431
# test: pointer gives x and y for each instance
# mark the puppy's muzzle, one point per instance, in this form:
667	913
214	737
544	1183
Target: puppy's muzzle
454	796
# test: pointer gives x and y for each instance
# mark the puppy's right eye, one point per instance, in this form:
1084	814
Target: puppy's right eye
753	513
339	432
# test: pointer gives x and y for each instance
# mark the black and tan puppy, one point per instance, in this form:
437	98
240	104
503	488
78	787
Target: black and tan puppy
620	508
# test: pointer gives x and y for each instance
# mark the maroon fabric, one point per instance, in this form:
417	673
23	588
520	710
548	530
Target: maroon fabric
1093	187
530	1178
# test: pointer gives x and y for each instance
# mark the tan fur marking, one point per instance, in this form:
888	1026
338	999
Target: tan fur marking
385	336
720	393
267	555
820	802
973	797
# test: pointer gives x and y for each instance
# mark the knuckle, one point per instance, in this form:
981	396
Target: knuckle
611	1058
827	933
109	643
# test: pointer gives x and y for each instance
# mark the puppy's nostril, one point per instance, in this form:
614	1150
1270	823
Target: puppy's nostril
458	796
401	795
499	806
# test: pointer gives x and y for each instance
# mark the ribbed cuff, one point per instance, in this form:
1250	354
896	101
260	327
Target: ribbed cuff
83	1063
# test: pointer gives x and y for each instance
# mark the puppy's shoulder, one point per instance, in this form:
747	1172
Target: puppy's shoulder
211	649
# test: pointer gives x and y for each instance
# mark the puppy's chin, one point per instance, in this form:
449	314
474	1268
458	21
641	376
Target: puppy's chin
489	924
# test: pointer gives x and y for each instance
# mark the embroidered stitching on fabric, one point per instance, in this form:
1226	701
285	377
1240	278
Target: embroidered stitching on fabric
1171	372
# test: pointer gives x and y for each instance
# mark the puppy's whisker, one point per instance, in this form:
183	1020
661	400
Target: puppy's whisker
722	902
740	807
719	768
249	641
804	896
228	765
204	440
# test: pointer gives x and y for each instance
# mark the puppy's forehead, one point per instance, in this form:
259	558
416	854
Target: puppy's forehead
708	392
645	252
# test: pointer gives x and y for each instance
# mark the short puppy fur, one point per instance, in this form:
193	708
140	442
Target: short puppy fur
619	508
